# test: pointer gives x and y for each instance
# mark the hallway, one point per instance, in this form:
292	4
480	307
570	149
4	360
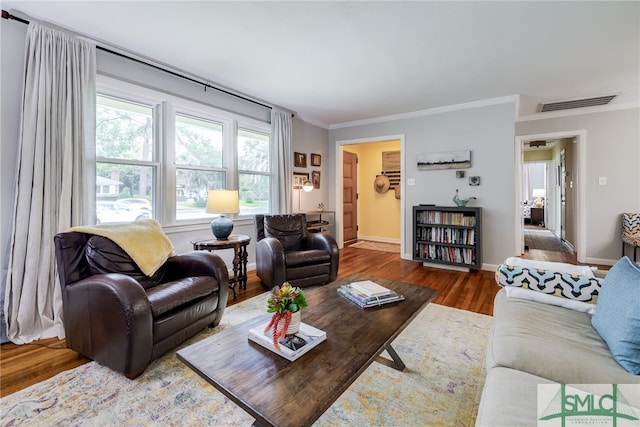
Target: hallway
536	237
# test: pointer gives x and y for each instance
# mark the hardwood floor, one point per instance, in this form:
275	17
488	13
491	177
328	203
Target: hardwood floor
24	365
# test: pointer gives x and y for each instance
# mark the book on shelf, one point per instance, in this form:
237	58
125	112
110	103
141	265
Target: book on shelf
364	301
292	347
369	288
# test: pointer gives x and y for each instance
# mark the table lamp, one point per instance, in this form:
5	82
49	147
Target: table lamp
539	193
307	186
222	202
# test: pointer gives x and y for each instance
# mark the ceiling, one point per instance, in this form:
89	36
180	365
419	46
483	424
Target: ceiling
339	62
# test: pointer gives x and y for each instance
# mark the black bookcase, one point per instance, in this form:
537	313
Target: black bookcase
448	235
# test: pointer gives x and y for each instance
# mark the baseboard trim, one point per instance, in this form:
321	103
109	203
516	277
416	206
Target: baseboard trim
379	239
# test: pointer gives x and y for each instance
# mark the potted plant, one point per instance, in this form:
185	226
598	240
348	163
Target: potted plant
285	302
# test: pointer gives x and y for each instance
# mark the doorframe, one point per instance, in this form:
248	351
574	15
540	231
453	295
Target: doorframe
580	141
340	174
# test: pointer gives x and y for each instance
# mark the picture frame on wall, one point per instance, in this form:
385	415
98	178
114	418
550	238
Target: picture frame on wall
316	159
298	179
299	160
445	160
315	179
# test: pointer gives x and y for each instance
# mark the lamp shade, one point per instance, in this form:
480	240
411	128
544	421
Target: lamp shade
222	202
539	192
307	186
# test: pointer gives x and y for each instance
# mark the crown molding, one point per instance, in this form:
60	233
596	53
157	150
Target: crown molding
429	112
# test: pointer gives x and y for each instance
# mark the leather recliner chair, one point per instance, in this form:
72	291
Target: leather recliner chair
122	319
287	252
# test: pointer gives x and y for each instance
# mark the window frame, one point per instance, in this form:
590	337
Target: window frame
165	107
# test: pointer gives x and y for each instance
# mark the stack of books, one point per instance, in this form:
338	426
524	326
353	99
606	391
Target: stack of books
368	294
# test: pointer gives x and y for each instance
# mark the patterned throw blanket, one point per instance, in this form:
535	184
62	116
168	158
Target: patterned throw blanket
143	240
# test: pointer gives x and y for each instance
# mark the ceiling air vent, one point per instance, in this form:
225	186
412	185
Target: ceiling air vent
576	103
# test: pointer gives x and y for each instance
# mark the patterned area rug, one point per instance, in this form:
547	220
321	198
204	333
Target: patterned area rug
377	246
543	239
443	349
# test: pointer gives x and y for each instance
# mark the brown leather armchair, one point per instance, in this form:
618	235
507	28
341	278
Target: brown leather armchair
287	252
123	319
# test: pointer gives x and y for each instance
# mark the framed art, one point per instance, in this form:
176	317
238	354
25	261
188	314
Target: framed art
299	178
315	159
474	180
315	178
299	159
444	160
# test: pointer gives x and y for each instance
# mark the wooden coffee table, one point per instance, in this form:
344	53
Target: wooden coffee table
277	392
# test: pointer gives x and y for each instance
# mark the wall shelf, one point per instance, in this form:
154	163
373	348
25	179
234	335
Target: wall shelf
321	222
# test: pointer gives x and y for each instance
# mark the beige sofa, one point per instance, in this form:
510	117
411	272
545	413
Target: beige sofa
535	343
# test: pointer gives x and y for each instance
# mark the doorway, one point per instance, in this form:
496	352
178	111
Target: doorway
365	176
350	196
564	190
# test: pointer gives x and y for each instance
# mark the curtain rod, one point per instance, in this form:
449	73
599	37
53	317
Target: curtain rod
7	15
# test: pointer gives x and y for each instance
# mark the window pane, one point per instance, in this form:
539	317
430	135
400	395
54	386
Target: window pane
254	194
198	142
191	191
123	192
124	130
253	151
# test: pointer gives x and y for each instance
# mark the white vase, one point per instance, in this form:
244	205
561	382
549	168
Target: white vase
294	324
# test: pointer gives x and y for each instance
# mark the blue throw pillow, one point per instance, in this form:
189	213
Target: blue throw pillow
617	317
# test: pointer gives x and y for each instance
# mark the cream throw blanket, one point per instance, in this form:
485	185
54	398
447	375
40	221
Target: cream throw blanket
143	240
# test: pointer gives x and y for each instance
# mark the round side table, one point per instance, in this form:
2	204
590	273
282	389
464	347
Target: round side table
237	242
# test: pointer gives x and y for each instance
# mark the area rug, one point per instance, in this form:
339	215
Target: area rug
377	246
443	349
543	239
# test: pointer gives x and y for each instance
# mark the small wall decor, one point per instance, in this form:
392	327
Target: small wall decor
461	202
391	160
315	178
444	160
315	159
474	180
299	159
298	179
391	168
459	174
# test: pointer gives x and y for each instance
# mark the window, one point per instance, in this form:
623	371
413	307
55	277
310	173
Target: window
158	155
253	171
199	164
125	169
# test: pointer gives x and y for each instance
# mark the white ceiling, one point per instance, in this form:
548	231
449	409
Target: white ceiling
337	62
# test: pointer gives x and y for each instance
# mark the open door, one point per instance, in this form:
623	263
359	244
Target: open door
350	196
563	195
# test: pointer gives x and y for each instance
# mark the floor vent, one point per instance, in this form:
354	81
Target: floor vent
576	103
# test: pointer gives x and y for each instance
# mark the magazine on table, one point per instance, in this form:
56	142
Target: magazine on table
364	301
293	346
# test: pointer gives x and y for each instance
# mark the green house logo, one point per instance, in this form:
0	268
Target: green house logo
603	405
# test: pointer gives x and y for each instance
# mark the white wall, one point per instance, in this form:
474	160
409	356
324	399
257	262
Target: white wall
489	133
12	42
612	148
308	138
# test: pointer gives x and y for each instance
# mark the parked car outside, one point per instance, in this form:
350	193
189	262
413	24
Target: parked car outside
136	203
118	212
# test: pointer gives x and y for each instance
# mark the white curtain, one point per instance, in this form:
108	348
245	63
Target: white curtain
282	183
55	176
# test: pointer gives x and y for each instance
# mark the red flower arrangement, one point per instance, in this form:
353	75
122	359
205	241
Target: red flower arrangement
283	301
